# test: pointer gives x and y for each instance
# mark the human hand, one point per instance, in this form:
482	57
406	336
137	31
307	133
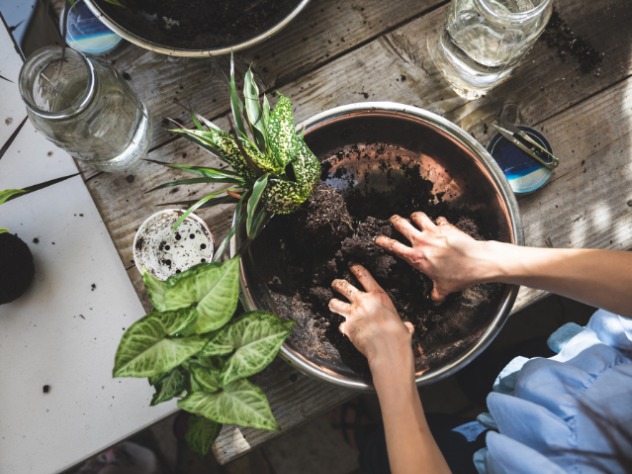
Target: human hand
448	256
371	320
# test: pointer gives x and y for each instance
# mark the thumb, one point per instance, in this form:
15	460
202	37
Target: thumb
410	327
437	295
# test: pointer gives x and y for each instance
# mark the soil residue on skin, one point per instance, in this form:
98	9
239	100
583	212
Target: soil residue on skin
299	255
200	24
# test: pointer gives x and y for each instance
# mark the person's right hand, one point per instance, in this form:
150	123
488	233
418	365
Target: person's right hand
448	256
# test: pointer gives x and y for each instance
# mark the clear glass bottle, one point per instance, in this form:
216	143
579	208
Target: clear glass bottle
84	106
482	41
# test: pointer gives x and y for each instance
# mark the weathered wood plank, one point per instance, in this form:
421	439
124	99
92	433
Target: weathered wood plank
324	30
586	118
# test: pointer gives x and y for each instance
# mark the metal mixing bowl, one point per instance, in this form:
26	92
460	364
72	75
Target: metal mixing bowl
160	42
456	163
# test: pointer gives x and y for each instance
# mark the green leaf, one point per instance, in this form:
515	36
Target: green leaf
235	103
254	341
284	197
213	286
168	387
306	167
266	163
7	194
156	289
201	433
147	350
254	111
281	132
199	203
240	403
254	202
3	230
220	302
206	378
223	145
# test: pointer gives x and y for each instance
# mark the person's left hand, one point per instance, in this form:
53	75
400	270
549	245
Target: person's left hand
371	320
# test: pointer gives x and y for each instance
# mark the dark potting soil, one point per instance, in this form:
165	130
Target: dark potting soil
299	255
199	24
16	267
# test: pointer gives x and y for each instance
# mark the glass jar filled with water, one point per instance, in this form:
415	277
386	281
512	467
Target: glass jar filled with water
84	106
482	41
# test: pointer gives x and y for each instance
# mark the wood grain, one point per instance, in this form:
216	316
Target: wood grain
337	53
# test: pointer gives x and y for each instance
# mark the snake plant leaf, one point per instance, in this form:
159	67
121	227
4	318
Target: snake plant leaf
236	105
254	111
207	175
207	378
198	204
223	145
147	350
220	302
281	132
266	114
253	340
201	433
240	403
254	206
168	387
7	194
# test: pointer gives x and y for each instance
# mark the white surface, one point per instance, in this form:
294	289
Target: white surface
64	331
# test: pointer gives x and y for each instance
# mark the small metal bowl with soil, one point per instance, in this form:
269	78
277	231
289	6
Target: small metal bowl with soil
196	28
379	159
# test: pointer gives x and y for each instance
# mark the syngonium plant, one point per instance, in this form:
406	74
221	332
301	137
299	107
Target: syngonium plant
192	346
273	169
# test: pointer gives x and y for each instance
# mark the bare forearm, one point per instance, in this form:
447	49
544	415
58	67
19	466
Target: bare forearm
411	447
601	278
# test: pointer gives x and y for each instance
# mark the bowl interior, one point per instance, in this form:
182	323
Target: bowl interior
379	159
197	27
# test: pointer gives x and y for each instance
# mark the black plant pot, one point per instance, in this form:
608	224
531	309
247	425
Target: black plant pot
16	267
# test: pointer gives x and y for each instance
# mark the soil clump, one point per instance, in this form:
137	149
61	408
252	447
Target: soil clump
298	256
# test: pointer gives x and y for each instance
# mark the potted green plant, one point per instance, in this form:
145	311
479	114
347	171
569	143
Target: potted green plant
193	345
273	170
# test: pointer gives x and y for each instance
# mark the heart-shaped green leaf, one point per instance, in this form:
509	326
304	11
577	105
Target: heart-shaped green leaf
207	378
254	341
168	386
240	403
201	433
147	350
213	286
220	302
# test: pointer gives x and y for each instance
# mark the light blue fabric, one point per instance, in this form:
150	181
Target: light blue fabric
568	413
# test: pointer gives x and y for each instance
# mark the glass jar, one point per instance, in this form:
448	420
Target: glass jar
482	41
84	106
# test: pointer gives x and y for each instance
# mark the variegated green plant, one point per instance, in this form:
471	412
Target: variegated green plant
273	170
193	347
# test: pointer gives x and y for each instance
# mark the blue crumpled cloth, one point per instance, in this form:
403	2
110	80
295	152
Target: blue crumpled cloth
571	413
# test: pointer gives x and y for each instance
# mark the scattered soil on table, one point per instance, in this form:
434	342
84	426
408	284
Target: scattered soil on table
560	36
199	24
299	255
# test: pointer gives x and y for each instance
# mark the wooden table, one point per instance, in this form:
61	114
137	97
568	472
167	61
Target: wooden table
336	53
